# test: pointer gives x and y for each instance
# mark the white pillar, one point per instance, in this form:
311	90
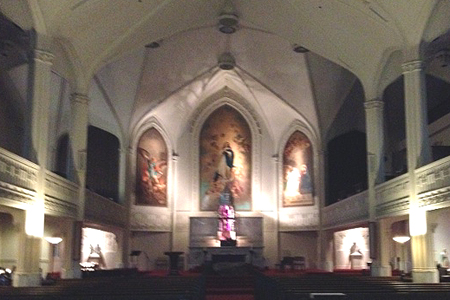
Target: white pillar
418	154
78	142
36	141
375	175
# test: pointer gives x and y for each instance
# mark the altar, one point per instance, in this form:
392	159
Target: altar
204	247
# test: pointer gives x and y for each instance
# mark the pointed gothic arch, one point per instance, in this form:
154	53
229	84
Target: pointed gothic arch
226	98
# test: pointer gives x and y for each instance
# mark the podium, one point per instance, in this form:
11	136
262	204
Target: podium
173	259
356	261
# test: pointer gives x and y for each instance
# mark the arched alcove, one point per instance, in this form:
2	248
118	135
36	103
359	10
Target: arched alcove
151	169
227	98
225	159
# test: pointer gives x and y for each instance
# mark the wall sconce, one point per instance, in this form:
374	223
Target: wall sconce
400	232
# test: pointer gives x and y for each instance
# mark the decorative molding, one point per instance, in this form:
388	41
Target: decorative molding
350	210
17	171
60	188
374	104
411	66
15	196
395	207
43	56
61	208
394	189
102	210
79	98
433	176
436	199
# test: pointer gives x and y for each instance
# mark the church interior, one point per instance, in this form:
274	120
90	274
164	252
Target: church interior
165	135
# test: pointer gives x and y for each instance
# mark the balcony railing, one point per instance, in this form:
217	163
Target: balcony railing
61	195
354	209
104	210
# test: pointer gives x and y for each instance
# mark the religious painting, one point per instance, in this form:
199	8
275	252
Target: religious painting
225	161
151	170
297	170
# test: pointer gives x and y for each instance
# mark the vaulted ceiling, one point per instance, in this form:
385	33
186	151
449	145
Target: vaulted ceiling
106	44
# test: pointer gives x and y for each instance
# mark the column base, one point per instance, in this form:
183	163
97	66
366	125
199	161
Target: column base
380	271
425	275
26	279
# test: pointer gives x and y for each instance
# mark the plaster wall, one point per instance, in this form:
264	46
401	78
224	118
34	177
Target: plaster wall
9	241
300	244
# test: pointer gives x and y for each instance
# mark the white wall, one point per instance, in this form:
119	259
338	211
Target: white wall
9	241
441	218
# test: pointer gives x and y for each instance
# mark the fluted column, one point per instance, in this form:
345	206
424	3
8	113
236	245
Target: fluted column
418	154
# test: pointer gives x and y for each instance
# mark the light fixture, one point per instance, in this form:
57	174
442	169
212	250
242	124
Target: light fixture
228	19
299	49
226	61
228	23
400	231
53	240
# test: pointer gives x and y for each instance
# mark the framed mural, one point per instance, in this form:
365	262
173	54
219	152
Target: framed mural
297	170
225	160
151	170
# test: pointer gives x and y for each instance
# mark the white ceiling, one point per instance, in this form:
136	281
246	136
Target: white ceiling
101	43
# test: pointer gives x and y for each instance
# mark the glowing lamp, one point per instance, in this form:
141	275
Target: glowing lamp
400	231
417	222
53	240
34	221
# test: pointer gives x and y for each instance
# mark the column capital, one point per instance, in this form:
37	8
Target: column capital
373	104
79	98
413	65
43	56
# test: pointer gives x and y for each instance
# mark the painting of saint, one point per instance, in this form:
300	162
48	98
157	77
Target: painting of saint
151	170
225	160
297	162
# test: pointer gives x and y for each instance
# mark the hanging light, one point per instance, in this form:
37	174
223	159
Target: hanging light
53	240
400	231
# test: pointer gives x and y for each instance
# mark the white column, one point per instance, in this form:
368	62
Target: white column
36	141
78	142
418	154
130	183
375	175
325	238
